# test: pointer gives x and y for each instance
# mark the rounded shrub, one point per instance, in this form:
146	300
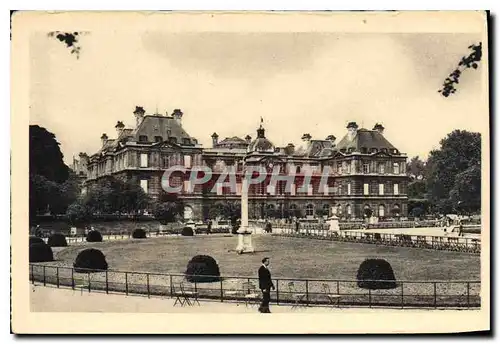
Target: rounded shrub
376	274
187	231
94	236
36	240
90	260
139	233
57	240
202	269
40	252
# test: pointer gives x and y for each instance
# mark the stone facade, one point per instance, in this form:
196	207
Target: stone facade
365	173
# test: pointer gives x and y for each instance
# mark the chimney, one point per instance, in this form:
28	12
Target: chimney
215	139
177	115
139	115
352	128
119	128
104	138
379	127
306	137
331	138
248	139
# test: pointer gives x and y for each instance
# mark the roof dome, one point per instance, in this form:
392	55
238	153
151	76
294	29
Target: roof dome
261	144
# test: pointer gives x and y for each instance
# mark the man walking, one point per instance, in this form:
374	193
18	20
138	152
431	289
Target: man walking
265	284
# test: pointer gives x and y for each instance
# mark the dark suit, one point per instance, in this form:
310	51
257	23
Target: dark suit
265	284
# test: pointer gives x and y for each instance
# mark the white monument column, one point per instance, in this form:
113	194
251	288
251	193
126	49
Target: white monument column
244	234
334	221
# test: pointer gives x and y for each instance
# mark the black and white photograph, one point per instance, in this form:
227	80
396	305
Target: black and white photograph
264	165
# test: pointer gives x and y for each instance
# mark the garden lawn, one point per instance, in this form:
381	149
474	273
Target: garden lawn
290	257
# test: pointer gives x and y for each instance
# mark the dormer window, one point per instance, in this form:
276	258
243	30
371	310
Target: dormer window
342	150
384	150
186	141
394	151
364	150
351	150
158	139
173	139
143	138
374	150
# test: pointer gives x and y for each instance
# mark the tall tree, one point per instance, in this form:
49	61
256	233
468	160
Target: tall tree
168	208
47	173
460	151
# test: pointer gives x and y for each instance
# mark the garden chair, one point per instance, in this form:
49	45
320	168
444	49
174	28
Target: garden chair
333	299
297	298
180	297
251	296
189	295
83	283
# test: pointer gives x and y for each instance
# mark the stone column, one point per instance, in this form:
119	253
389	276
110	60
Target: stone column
244	234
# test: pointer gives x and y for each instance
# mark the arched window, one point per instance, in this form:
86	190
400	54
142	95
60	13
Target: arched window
348	210
326	209
396	210
293	206
381	210
309	210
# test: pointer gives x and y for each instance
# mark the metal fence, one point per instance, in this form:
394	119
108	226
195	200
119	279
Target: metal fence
298	292
459	244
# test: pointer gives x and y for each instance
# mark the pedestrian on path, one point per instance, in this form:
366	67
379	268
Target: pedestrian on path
265	285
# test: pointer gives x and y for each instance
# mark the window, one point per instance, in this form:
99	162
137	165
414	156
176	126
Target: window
348	170
366	168
381	210
348	209
292	190
298	169
144	160
172	139
219	189
325	189
144	185
309	210
309	190
396	189
381	167
143	138
339	168
366	189
326	209
339	188
186	141
271	190
158	139
396	168
293	206
349	188
364	150
381	189
187	161
187	186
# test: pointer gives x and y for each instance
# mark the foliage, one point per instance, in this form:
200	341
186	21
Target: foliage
94	236
111	195
139	233
417	189
36	240
51	185
40	252
168	208
466	62
90	260
57	240
187	231
453	175
79	213
225	209
202	268
415	168
376	274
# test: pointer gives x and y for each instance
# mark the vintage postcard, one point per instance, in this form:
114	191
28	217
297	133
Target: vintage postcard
293	172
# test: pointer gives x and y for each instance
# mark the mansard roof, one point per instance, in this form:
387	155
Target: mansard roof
364	138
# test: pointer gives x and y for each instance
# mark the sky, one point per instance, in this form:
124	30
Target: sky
225	82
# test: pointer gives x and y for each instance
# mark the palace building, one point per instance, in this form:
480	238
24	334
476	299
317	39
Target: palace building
366	174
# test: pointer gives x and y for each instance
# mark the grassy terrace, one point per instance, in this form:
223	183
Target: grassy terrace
290	258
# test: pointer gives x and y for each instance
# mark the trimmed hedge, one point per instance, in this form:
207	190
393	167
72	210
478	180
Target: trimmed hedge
57	240
202	268
139	233
376	274
36	240
40	252
90	260
187	231
94	236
